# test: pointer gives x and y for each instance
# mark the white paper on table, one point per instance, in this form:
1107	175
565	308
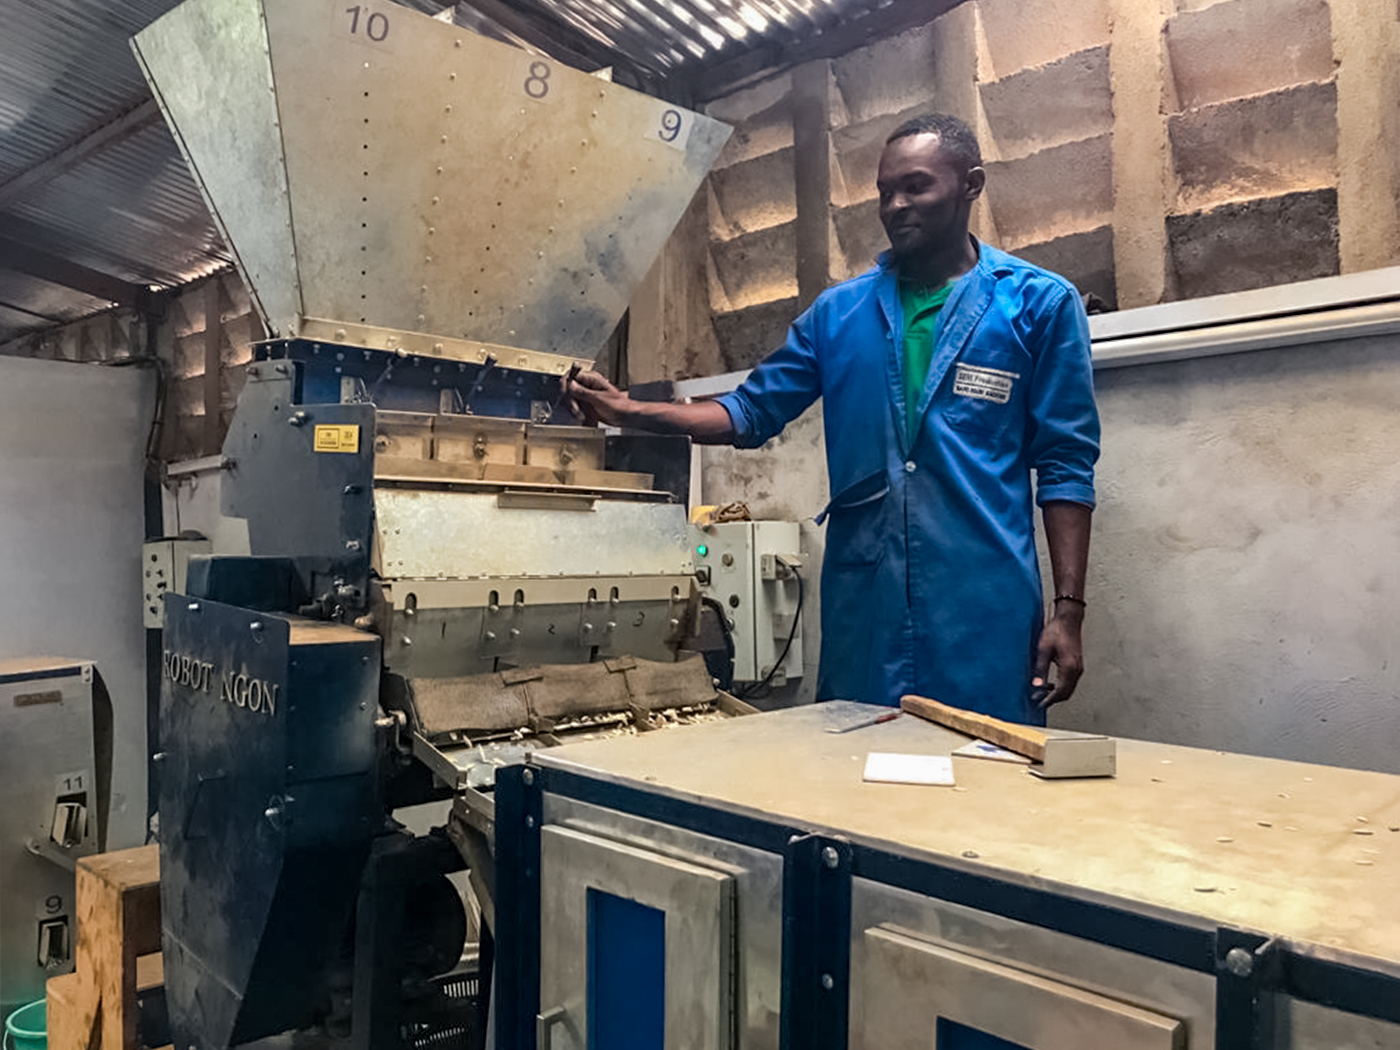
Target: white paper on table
890	767
982	749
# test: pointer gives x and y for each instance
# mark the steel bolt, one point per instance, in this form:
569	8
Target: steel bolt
830	857
1239	962
529	821
528	776
827	982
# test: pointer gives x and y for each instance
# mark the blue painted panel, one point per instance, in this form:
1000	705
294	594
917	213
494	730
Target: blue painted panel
953	1036
626	974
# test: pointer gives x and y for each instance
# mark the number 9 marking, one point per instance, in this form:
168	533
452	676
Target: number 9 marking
537	83
670	125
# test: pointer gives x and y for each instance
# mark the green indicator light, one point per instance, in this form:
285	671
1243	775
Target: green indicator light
703	551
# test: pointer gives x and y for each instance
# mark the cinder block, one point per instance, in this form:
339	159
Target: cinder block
746	337
1248	47
1062	190
187	358
1021	34
761	117
860	236
757	267
1086	259
1259	146
1254	244
858	148
185	397
865	83
1065	101
755	194
241	331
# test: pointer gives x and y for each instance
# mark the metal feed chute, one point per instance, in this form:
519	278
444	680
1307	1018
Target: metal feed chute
383	177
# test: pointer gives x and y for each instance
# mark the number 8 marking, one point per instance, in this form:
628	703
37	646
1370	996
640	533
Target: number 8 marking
537	83
670	125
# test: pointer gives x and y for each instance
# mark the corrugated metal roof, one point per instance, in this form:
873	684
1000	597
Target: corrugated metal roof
97	206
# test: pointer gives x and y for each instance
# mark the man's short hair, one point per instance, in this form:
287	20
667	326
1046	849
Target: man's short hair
953	135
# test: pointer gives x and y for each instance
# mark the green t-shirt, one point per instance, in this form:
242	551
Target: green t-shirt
922	310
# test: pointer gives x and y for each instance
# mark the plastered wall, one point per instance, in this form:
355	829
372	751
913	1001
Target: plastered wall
72	453
1245	573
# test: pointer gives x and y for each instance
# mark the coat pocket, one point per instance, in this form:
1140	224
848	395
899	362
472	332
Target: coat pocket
855	529
984	391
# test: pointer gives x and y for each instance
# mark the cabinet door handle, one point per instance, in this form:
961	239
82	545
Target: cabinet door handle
544	1027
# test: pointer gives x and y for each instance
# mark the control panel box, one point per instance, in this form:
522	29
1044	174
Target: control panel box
163	566
753	569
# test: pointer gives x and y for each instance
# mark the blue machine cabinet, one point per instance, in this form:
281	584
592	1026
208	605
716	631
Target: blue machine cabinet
1197	901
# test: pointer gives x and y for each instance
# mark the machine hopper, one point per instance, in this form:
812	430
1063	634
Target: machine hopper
391	181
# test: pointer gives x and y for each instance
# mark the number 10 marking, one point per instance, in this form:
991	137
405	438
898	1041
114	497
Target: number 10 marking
376	24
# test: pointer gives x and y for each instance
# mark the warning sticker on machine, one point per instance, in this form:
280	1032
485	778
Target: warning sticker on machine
988	384
338	438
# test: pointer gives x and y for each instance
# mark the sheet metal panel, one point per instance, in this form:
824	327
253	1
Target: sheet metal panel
210	68
424	178
425	534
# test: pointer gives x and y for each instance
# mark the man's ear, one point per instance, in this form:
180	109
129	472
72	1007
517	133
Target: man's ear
976	180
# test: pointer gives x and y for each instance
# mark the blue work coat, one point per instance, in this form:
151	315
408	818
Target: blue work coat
930	583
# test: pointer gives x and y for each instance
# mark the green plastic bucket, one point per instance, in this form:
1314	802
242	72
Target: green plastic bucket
27	1027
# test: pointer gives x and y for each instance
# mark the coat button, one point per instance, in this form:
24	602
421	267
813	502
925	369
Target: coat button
910	466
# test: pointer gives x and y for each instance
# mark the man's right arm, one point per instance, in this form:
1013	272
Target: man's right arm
598	401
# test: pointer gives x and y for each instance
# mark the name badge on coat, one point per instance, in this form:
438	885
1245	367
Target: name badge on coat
985	384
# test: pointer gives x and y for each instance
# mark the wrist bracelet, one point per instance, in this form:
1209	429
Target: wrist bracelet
1072	598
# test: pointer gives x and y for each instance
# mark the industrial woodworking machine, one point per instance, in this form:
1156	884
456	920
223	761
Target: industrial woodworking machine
447	571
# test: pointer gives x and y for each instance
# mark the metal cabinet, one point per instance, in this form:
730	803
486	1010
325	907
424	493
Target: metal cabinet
1197	901
641	947
52	801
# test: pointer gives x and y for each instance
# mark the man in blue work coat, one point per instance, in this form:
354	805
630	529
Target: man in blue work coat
949	373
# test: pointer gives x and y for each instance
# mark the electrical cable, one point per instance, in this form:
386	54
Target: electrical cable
726	680
753	689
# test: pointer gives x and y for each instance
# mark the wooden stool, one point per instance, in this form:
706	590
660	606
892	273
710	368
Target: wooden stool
118	920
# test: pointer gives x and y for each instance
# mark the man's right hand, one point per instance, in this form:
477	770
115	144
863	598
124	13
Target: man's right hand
595	400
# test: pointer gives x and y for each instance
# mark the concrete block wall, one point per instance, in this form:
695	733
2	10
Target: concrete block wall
1252	129
1149	152
752	201
182	342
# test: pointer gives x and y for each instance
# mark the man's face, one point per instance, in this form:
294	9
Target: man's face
925	198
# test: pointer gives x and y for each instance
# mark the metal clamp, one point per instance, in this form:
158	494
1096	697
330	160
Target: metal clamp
1246	971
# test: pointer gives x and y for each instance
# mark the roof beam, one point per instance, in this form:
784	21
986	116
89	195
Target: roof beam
16	256
70	156
29	313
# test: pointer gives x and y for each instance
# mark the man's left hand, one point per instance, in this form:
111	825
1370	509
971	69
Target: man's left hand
1060	644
